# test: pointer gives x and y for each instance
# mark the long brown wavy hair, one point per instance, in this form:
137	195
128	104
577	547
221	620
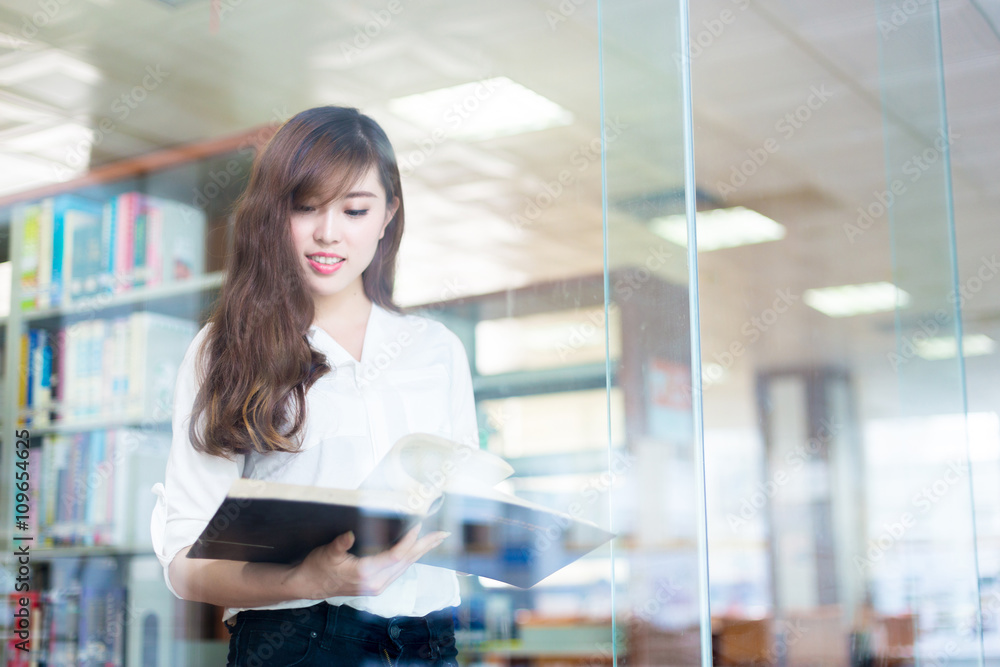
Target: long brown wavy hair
258	360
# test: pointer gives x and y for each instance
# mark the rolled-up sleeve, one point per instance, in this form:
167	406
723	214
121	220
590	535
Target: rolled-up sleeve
194	483
465	426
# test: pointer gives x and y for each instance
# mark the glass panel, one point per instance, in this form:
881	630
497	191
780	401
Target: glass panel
657	500
836	432
935	561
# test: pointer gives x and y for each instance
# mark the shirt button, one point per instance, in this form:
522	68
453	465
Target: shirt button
313	634
394	632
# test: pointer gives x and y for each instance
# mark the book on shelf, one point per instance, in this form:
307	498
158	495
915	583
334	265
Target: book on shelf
74	248
423	479
92	487
122	368
25	647
83	614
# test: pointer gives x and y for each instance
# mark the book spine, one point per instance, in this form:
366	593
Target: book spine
138	337
121	234
108	244
35	504
107	378
67	290
154	241
45	241
67	380
59	288
24	400
79	489
107	487
139	242
123	469
34	363
133	211
29	256
43	388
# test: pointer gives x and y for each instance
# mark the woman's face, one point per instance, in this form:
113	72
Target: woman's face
335	242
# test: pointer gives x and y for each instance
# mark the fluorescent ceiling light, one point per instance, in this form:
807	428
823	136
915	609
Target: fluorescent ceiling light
68	135
44	64
22	172
481	110
720	228
946	347
16	113
848	300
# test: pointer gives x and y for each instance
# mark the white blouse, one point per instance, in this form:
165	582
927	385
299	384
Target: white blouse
413	377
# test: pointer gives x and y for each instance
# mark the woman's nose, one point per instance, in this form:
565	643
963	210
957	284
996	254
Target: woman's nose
327	228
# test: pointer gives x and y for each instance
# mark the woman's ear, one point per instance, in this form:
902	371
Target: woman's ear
390	213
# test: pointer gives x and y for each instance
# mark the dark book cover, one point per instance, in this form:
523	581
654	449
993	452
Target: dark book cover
424	479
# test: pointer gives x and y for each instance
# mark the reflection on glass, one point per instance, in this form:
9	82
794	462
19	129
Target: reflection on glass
837	441
528	342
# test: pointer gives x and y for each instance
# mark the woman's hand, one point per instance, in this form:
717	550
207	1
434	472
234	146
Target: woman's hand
330	571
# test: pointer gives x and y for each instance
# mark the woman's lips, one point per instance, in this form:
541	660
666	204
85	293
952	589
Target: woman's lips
325	269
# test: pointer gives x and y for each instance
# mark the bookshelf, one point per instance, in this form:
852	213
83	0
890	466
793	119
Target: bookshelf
150	288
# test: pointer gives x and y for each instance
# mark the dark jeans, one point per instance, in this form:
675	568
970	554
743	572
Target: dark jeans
332	635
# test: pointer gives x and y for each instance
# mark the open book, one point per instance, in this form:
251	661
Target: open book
424	478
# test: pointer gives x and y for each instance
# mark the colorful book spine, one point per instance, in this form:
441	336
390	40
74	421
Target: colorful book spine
45	243
108	236
76	249
140	245
23	399
123	240
32	359
27	216
154	243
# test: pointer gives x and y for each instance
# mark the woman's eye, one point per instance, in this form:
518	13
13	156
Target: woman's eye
303	208
356	212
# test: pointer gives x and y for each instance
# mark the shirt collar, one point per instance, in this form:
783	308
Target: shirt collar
375	334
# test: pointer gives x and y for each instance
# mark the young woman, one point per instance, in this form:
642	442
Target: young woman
307	373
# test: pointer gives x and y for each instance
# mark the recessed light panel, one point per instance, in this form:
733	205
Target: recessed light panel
481	110
720	228
849	300
946	347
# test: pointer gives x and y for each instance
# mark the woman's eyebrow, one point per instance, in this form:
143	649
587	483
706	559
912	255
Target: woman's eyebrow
359	193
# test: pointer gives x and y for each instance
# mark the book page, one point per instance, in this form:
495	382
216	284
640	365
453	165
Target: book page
422	466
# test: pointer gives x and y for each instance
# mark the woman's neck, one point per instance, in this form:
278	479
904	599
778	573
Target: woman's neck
347	311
